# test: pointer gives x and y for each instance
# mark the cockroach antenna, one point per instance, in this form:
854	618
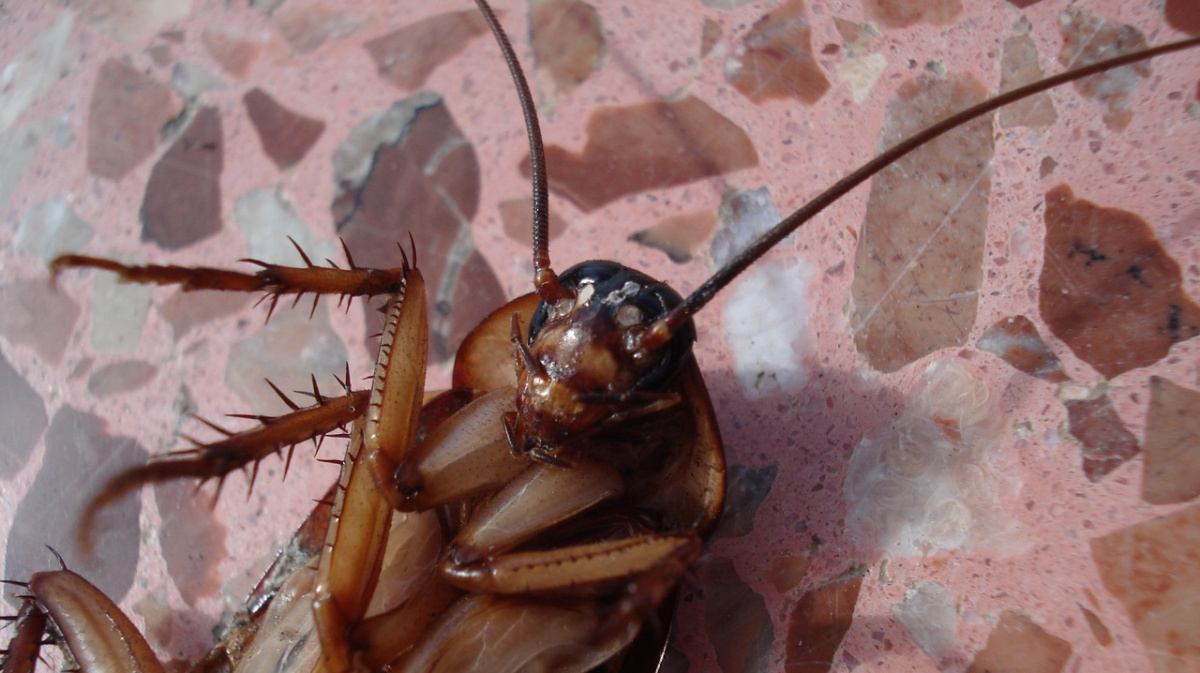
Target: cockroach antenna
546	281
725	275
544	278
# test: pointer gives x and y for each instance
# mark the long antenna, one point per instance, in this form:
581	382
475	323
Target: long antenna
703	294
544	278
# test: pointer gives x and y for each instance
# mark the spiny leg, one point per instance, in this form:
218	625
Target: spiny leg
97	633
237	450
349	568
343	589
94	633
215	460
25	647
273	279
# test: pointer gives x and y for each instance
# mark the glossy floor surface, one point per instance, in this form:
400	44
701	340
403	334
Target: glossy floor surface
960	406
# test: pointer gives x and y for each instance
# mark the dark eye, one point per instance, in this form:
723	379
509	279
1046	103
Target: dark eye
622	297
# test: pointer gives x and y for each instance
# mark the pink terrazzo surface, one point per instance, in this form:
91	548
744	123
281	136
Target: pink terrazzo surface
1042	568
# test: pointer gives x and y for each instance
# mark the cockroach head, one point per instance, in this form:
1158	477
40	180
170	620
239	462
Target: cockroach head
612	309
597	353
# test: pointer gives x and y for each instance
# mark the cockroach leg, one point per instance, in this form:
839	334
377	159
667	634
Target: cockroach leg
560	635
26	644
93	630
351	562
575	568
388	636
274	279
461	458
407	598
541	496
215	460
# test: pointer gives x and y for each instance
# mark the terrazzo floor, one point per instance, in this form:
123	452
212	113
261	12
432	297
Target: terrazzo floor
960	407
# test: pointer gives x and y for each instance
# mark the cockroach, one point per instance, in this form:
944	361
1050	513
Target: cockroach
808	529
